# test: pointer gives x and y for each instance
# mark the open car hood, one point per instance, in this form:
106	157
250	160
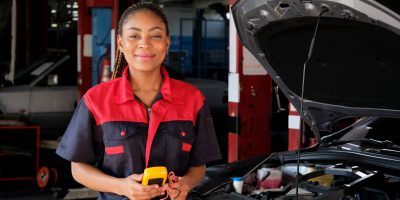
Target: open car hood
355	62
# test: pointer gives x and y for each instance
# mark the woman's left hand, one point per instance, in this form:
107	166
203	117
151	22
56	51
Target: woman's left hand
179	190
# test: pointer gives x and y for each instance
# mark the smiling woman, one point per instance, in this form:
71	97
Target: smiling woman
144	41
129	32
140	119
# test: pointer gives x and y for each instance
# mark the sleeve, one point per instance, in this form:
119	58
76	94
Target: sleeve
205	148
77	143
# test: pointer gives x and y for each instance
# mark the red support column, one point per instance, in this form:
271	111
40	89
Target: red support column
294	128
255	109
114	27
84	47
249	104
233	132
235	66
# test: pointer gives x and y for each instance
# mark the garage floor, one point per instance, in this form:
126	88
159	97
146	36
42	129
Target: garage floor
26	190
23	190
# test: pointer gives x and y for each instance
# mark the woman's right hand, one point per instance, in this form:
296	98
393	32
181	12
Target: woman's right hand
133	189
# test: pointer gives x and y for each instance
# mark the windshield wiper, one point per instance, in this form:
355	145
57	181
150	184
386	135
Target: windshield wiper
389	152
386	143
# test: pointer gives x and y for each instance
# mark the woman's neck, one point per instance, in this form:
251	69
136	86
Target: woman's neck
145	81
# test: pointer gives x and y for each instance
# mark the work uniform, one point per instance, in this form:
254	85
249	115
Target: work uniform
113	130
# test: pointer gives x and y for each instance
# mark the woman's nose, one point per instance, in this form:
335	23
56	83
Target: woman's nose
144	43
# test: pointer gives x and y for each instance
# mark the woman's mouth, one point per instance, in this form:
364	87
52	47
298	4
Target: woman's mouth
145	56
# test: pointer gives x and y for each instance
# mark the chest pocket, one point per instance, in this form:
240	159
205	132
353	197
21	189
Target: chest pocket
123	148
117	139
179	138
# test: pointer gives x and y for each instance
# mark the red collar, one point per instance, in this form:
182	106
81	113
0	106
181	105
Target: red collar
125	92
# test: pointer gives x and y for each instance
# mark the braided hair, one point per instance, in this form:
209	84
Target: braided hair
120	61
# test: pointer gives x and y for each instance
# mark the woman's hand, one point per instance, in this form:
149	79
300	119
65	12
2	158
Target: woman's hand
179	190
131	188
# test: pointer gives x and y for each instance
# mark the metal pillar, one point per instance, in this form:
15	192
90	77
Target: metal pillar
250	98
101	40
84	47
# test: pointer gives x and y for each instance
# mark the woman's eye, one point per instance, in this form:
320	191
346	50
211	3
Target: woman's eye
133	36
157	36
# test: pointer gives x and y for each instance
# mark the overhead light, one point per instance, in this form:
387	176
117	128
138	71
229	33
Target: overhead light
53	11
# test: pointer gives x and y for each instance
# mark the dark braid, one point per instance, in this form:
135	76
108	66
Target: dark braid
120	62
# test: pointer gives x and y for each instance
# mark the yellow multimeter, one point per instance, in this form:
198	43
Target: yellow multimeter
155	175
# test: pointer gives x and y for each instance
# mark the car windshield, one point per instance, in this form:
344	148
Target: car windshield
376	135
37	73
25	76
385	129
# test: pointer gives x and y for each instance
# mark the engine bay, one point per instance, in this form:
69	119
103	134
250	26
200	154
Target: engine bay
316	181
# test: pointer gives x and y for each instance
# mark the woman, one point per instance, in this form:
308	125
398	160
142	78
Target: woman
140	119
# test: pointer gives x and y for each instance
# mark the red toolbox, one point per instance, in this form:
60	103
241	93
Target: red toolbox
19	152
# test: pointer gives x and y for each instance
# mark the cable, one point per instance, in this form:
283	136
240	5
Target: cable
262	179
310	51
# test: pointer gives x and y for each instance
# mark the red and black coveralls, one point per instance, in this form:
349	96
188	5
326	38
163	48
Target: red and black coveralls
113	130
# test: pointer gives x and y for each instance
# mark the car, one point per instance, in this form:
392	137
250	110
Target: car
337	62
44	93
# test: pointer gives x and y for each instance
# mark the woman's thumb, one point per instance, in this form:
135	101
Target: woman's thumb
137	177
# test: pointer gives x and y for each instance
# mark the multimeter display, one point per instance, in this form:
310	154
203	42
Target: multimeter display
155	175
158	181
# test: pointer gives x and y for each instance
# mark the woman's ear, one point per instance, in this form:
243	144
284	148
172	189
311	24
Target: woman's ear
168	43
119	43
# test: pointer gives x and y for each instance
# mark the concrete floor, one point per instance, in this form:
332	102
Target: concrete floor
23	190
26	190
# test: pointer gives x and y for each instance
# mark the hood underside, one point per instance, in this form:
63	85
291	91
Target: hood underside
353	68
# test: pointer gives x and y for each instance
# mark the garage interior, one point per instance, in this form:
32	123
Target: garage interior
58	49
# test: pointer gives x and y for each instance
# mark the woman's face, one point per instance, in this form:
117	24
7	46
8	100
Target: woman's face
144	41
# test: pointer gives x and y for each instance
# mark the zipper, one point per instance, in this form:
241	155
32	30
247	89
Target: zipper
148	114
